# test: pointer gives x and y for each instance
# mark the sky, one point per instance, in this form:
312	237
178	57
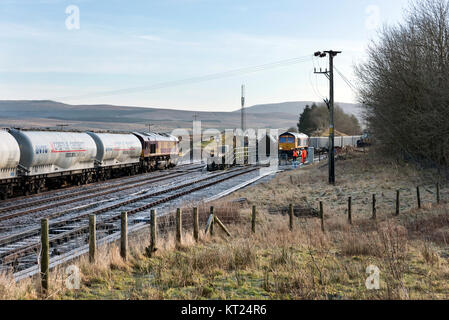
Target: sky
151	53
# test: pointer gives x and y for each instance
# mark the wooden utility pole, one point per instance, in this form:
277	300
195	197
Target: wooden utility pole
330	104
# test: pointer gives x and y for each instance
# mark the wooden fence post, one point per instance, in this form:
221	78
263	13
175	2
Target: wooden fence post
398	203
290	216
322	215
253	220
438	193
45	255
418	196
196	225
212	222
124	236
153	231
374	217
350	210
92	237
178	227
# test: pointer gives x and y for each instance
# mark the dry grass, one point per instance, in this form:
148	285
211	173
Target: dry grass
275	263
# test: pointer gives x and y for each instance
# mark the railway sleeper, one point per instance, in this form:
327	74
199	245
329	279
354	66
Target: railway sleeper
70	235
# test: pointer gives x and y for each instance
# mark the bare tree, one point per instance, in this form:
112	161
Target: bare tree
404	84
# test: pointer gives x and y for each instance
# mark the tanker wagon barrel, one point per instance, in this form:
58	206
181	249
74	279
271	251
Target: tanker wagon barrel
9	160
54	158
119	152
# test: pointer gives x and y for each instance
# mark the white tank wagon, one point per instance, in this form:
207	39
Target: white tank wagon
117	149
9	156
45	152
9	160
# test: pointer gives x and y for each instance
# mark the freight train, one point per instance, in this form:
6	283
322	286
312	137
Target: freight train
239	151
33	161
290	141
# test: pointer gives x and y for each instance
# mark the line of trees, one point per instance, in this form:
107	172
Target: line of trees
315	119
404	85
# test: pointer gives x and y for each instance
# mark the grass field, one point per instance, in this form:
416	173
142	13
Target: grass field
410	251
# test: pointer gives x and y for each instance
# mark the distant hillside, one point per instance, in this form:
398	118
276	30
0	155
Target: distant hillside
27	114
297	107
31	114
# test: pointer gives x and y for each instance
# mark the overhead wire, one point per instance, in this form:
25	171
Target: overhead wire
315	86
214	76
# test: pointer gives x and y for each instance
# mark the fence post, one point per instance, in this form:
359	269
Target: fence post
153	231
45	256
253	220
290	216
196	225
374	208
322	215
178	227
418	196
212	222
438	193
350	210
92	237
124	236
398	202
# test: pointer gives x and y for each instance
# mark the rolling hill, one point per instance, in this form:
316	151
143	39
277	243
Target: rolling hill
45	113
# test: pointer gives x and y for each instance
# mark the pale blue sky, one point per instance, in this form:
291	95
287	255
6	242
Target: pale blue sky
127	44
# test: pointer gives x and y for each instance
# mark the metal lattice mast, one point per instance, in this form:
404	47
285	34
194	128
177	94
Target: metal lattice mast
242	124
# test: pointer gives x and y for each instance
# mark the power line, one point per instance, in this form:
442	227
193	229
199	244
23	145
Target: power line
214	76
347	81
315	86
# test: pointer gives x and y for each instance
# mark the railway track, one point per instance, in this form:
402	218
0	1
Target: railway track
5	204
19	251
62	200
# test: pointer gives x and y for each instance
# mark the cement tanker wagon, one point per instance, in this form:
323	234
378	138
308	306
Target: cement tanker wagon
9	160
117	153
63	157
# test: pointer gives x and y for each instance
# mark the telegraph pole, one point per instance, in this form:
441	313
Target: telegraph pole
243	109
330	104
